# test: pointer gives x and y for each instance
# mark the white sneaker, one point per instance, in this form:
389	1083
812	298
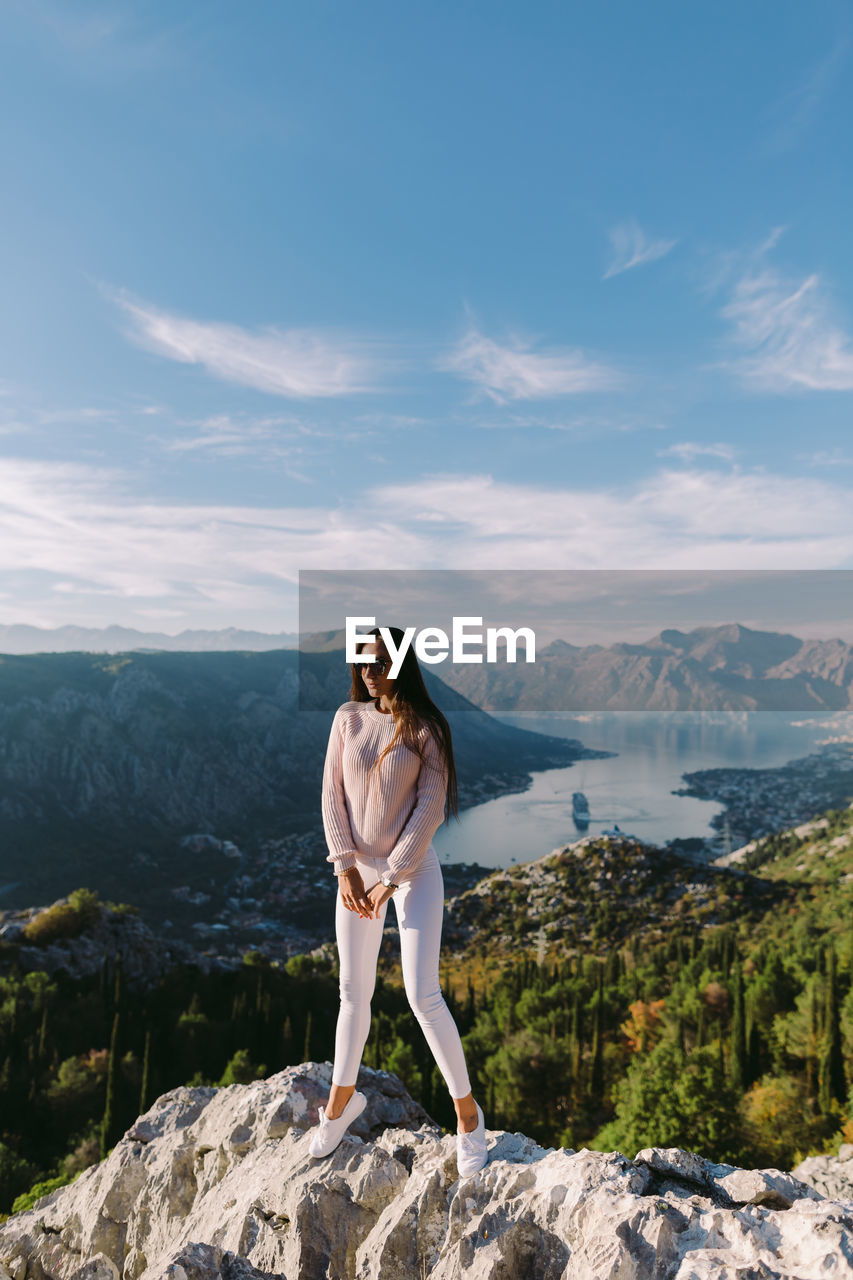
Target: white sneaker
328	1133
471	1153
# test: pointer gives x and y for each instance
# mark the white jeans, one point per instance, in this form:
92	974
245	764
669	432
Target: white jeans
419	905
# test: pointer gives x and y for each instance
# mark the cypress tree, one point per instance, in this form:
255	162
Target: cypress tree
753	1053
471	1005
738	1045
726	955
42	1049
811	1050
832	1082
108	1122
118	986
146	1068
596	1069
596	1079
287	1041
575	1038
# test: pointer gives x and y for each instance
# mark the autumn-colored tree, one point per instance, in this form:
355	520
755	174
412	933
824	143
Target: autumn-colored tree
776	1122
716	999
643	1028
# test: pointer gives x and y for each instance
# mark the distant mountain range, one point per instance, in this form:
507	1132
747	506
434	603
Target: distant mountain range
724	668
22	638
716	668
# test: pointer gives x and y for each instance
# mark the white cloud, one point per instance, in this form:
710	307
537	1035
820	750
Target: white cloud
673	519
514	372
632	248
76	533
296	363
224	434
687	450
790	335
828	458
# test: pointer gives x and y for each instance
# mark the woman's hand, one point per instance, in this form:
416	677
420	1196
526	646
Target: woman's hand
352	893
377	894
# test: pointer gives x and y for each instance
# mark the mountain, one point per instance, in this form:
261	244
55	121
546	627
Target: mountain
599	891
724	668
721	668
217	1182
107	762
21	638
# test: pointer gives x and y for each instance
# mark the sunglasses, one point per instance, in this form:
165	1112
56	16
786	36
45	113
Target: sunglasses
378	664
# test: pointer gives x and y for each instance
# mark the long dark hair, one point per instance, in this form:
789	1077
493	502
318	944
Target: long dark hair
413	708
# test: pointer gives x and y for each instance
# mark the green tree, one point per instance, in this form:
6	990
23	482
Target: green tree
738	1060
110	1121
664	1102
241	1069
832	1083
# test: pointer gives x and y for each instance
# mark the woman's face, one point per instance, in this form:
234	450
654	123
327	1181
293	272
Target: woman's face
375	675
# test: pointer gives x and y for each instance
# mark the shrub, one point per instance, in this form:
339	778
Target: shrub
64	919
28	1198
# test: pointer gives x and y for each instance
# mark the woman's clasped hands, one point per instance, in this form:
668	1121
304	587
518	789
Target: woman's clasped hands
365	903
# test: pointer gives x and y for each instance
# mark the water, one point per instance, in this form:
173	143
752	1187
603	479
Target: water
634	788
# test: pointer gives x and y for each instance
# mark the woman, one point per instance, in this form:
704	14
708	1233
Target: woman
388	779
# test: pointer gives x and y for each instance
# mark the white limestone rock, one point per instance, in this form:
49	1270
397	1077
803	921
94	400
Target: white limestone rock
218	1183
832	1176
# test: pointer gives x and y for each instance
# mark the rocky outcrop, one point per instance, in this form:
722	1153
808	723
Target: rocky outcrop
832	1176
109	935
214	1183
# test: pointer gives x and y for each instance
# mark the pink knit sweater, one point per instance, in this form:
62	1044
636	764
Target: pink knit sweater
396	812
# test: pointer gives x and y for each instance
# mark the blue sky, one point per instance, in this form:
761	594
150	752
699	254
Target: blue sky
483	286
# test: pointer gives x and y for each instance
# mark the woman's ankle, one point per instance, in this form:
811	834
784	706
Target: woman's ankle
339	1096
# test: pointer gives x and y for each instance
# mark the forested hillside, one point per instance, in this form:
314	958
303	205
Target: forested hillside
657	1007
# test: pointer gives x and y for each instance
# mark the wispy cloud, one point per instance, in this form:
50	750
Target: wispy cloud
680	519
632	248
827	458
790	334
687	450
69	531
226	435
71	528
791	116
515	372
584	425
296	363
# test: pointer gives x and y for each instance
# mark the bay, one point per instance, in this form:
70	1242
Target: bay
633	788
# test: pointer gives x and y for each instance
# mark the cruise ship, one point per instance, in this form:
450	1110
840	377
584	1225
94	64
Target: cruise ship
580	809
